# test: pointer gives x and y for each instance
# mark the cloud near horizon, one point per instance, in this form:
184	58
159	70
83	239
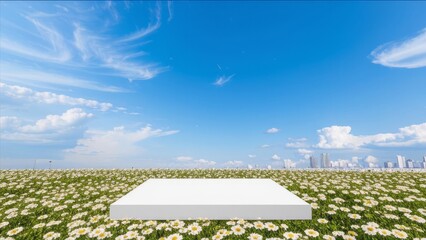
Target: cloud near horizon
340	137
112	145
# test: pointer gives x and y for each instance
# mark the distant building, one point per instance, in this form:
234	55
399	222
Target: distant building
269	167
410	163
325	160
423	165
388	164
424	158
314	163
400	161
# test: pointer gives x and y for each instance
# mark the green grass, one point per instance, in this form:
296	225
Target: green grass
395	201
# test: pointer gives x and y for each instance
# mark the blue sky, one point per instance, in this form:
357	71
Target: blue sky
210	84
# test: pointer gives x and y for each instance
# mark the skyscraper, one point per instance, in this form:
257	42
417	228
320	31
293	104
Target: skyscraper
325	161
314	163
424	158
410	163
400	160
423	165
388	164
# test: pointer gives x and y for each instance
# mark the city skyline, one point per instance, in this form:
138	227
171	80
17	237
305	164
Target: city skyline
211	84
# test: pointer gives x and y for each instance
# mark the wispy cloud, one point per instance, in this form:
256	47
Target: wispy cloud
28	94
340	137
57	52
91	46
275	157
81	42
96	51
25	75
152	26
112	10
410	53
133	71
223	79
170	10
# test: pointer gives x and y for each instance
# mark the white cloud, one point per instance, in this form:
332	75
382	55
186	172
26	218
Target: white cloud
272	130
203	162
9	122
52	128
341	137
371	161
113	145
234	163
50	98
265	146
304	151
184	158
62	122
275	157
413	134
190	162
223	79
410	53
288	163
296	143
251	156
355	159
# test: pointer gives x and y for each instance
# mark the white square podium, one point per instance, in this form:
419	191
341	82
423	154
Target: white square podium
219	199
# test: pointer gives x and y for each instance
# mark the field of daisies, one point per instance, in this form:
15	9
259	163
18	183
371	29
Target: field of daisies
74	204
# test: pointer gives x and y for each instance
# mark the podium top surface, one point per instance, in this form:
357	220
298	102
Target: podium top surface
210	192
